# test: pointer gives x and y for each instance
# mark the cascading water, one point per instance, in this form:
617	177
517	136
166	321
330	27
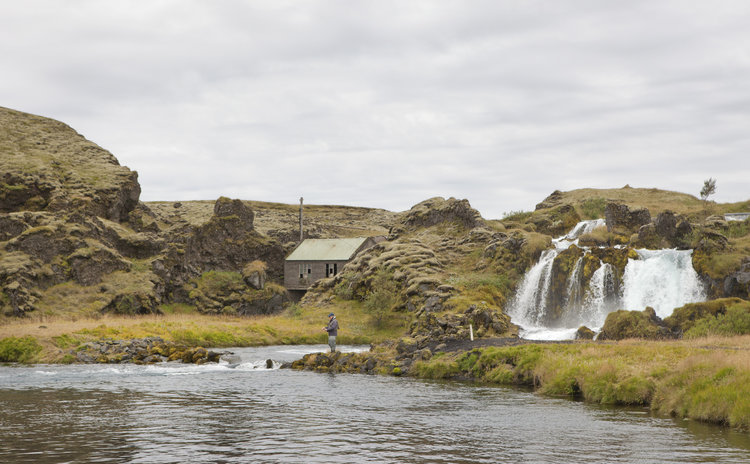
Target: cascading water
662	279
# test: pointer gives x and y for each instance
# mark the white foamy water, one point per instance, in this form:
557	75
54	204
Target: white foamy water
662	279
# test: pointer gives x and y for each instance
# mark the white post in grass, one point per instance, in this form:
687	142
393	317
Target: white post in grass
471	332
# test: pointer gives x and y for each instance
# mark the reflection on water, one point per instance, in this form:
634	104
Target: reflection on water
179	413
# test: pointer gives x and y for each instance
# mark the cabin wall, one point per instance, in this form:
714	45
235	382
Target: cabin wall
312	271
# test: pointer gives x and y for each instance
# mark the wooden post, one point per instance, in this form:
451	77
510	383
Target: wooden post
300	220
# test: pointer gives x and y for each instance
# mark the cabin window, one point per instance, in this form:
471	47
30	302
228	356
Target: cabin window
304	269
331	269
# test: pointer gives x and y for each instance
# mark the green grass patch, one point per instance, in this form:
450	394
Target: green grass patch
593	208
735	321
19	349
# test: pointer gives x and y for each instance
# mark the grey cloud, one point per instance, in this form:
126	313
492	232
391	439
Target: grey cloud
387	103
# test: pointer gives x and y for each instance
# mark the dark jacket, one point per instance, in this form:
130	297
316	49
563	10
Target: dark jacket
333	327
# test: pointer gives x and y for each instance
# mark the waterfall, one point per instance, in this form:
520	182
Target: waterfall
662	279
532	294
600	298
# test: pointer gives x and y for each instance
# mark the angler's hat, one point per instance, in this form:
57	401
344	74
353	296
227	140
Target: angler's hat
330	315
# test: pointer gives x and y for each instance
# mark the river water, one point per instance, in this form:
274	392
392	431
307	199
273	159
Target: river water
245	413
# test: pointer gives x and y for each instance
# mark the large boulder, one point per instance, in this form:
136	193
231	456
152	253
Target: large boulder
645	324
619	217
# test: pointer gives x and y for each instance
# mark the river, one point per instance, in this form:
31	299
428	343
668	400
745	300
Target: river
245	413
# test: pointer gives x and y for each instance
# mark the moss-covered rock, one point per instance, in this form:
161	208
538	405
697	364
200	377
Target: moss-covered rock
584	333
132	303
147	350
685	317
439	210
555	221
644	324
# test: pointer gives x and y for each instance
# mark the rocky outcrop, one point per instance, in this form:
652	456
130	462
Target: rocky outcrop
229	242
619	217
47	166
148	350
89	265
737	284
668	230
431	329
437	211
555	220
554	199
353	363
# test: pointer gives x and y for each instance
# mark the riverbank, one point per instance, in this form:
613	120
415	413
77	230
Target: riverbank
49	340
703	379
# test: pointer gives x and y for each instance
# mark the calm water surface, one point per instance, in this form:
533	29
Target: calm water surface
176	413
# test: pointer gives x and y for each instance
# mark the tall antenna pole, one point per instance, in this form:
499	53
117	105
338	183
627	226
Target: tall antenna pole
300	219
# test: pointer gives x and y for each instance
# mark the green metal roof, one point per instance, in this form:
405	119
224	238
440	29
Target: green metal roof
326	249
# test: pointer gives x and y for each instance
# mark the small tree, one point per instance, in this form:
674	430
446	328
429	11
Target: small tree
709	188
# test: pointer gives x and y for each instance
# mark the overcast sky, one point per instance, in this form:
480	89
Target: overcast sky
388	103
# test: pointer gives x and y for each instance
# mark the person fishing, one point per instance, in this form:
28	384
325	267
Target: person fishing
332	328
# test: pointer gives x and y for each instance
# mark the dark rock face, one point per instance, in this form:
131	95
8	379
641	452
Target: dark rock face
228	241
737	284
11	225
620	216
668	230
88	266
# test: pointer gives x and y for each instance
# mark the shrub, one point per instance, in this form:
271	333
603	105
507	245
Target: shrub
19	349
518	215
593	208
345	288
382	295
685	317
213	282
736	321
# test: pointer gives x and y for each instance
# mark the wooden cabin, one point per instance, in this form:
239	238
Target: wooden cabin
318	258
